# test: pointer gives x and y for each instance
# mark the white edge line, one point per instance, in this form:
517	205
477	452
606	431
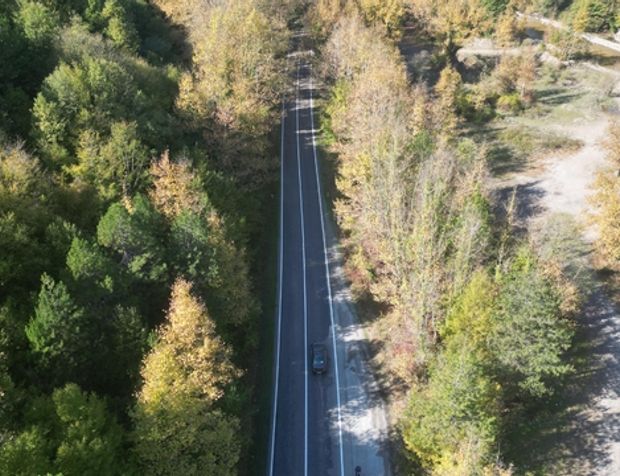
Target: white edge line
327	275
279	331
303	254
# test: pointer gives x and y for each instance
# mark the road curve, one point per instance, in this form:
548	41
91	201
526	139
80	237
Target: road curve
321	424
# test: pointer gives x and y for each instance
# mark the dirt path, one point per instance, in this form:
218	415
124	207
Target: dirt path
566	181
589	37
590	442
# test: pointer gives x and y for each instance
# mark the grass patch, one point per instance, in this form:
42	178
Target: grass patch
527	141
513	147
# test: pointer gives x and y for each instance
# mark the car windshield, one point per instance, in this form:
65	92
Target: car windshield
319	355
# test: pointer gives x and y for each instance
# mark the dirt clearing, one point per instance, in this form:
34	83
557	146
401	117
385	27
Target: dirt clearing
583	436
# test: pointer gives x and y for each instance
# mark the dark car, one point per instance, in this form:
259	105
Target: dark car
319	358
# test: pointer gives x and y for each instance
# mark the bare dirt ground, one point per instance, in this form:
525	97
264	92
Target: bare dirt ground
586	439
561	183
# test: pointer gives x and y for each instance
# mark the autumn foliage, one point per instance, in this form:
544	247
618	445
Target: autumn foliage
184	376
606	199
465	329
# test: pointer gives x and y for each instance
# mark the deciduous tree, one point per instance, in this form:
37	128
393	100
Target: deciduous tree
176	188
235	82
177	427
606	199
452	22
71	433
134	231
117	166
454	418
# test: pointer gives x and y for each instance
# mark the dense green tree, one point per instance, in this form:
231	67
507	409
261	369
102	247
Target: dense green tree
91	440
39	22
551	7
136	235
22	255
59	331
90	85
203	254
471	314
90	265
201	248
25	53
15	357
76	98
8	392
26	453
595	15
530	336
126	344
71	433
458	409
99	285
119	28
495	6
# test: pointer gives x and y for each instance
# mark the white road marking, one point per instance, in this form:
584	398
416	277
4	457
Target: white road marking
328	278
277	377
303	254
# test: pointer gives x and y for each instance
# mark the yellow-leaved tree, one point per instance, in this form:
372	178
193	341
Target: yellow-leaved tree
389	13
176	188
398	195
452	21
205	251
606	200
179	11
324	14
238	56
178	427
447	91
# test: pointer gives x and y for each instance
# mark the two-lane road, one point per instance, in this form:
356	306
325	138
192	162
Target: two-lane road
322	425
305	430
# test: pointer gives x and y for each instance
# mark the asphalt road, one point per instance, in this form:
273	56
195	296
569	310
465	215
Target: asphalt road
321	424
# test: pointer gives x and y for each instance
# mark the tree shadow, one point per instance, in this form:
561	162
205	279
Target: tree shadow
527	200
503	160
502	157
162	42
557	96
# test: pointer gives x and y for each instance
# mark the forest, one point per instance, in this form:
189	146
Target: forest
137	169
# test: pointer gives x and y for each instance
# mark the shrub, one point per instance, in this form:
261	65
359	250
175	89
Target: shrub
510	103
